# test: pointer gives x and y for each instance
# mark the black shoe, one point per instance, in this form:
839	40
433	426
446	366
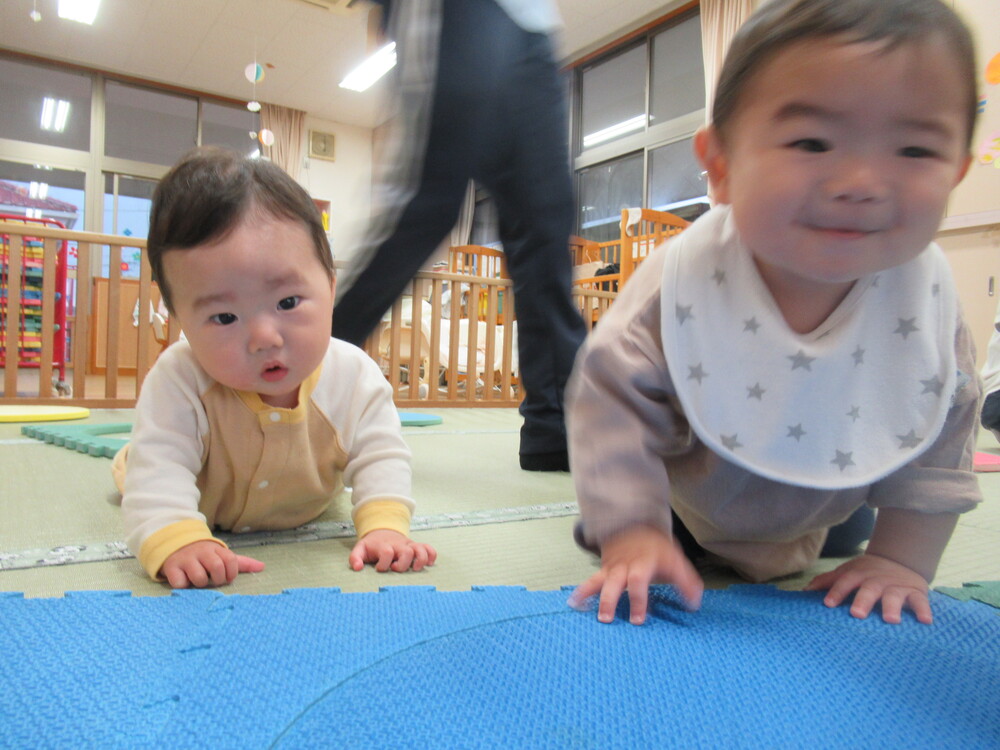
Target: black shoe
555	461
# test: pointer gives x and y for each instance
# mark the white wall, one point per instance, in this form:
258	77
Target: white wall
346	182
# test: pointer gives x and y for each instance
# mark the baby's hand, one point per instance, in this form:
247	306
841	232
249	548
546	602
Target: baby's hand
206	563
875	578
632	560
390	549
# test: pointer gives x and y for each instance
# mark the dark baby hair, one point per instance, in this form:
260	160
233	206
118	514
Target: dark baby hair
778	24
209	190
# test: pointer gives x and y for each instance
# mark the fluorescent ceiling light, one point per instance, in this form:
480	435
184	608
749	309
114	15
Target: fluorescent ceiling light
55	113
84	11
373	68
38	190
619	128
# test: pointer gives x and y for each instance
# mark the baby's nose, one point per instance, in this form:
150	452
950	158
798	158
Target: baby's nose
858	180
264	334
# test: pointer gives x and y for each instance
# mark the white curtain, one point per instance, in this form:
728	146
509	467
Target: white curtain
719	21
462	231
288	126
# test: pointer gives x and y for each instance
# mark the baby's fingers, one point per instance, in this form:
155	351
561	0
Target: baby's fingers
894	599
404	556
586	590
611	592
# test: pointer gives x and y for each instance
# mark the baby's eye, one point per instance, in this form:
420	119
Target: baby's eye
289	303
812	145
223	319
917	152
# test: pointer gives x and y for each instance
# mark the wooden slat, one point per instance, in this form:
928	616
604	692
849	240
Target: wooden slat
112	365
12	355
434	363
48	317
142	330
81	319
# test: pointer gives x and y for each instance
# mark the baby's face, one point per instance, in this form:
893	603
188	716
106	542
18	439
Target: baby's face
255	306
841	157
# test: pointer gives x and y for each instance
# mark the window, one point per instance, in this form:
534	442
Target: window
605	189
44	105
613	98
675	181
127	202
638	110
147	125
677	75
39	191
230	126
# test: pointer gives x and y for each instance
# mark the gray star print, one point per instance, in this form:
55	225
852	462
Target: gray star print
719	276
859	356
751	325
731	441
909	440
697	373
684	313
843	460
932	385
854	413
800	360
796	431
906	326
755	391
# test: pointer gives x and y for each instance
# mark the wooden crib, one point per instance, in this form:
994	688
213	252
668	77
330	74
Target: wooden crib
437	348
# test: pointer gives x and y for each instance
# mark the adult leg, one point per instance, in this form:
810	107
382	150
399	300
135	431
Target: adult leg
528	174
420	188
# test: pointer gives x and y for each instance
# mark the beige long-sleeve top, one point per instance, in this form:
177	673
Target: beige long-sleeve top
634	455
204	456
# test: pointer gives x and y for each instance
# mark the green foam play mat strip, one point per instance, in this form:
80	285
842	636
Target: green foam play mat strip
92	438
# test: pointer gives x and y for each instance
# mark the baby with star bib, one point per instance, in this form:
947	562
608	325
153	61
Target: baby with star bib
796	359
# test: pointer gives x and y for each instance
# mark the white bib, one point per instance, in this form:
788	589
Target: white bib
843	406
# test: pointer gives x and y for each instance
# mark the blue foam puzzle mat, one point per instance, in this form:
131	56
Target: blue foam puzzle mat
757	667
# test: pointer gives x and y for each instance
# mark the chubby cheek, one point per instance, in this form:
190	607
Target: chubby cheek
222	360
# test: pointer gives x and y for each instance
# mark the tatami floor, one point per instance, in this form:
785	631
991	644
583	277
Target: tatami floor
467	467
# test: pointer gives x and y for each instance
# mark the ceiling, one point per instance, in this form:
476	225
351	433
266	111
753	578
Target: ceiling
204	45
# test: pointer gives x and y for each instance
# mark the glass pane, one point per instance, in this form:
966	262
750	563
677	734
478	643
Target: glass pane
605	190
230	126
677	84
126	212
613	98
44	105
675	182
42	192
149	126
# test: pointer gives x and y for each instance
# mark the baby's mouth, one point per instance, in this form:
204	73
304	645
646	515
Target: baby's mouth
274	372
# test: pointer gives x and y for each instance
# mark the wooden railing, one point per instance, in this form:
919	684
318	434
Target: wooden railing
461	352
119	384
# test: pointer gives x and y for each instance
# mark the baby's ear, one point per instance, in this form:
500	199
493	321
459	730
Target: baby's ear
712	157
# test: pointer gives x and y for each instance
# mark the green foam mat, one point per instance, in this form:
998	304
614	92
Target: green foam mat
82	438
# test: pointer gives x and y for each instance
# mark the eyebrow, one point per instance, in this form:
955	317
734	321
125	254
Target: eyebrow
271	283
211	299
793	110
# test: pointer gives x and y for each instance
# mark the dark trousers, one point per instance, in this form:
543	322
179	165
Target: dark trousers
497	116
